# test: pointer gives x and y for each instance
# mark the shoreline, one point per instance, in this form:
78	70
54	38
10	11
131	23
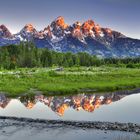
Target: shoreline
34	92
107	126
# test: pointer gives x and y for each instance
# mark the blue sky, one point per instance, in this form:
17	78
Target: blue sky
120	15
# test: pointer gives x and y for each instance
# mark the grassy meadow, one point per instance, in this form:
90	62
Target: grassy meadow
69	80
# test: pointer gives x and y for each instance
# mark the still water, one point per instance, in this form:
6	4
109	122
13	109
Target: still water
88	107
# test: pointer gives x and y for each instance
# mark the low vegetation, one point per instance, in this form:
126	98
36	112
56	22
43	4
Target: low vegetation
68	80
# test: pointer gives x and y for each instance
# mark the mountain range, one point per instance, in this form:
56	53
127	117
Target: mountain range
86	37
86	102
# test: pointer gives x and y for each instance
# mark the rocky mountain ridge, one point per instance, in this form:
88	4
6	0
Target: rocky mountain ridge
86	37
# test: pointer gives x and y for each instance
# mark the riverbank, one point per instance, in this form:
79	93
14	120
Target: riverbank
40	124
37	131
64	81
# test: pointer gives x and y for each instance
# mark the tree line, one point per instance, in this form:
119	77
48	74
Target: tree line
28	55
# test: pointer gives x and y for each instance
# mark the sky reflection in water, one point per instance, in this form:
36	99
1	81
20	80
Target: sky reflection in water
88	107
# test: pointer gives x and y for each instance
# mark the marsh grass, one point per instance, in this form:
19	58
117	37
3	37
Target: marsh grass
71	80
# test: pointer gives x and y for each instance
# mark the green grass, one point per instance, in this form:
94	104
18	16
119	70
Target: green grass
69	81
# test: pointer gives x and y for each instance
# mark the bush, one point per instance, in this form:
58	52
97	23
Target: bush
52	73
130	65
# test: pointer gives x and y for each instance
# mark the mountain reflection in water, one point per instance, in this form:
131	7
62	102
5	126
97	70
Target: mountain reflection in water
59	104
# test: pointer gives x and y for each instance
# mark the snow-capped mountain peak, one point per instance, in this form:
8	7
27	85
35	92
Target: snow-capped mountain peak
60	22
4	32
29	28
27	33
6	37
87	28
87	37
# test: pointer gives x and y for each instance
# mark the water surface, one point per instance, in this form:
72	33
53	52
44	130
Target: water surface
88	107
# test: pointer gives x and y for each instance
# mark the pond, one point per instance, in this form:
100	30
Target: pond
112	107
